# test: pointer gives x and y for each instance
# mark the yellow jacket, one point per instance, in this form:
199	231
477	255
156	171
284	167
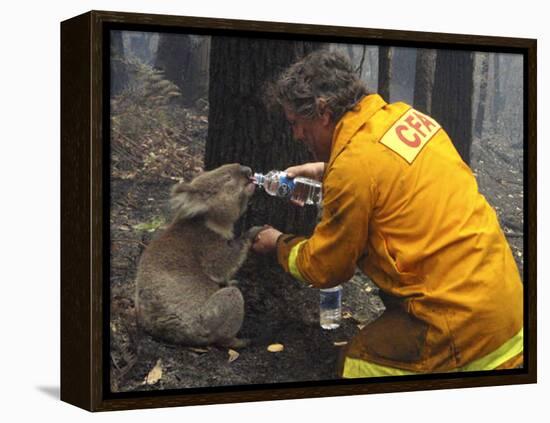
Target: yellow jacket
399	203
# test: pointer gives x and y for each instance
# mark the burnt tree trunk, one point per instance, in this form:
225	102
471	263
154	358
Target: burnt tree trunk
119	74
497	95
195	70
424	80
173	58
241	129
384	71
452	97
481	105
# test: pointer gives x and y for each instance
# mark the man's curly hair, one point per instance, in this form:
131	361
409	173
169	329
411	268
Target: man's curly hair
322	76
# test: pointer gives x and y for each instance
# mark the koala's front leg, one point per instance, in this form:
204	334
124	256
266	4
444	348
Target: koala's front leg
240	246
223	261
254	231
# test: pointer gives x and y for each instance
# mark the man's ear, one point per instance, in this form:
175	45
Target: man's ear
324	112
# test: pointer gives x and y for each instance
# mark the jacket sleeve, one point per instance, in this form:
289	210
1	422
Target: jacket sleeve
329	256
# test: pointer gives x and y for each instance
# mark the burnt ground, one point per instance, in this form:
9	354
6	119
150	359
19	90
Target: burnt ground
279	309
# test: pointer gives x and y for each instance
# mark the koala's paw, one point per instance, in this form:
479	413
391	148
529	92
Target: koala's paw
254	231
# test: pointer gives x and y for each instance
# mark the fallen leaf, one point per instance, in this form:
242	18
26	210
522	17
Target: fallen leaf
155	374
233	355
340	343
198	350
368	289
346	315
275	347
361	326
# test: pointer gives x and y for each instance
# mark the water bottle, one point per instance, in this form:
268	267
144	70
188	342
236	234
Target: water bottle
301	190
330	307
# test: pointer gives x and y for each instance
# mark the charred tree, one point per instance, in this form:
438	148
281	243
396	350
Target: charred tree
384	71
452	97
424	80
497	94
242	129
183	58
119	74
196	82
359	69
172	56
483	62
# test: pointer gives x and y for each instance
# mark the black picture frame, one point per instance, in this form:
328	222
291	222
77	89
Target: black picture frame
84	212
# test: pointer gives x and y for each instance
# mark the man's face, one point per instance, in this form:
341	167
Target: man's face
315	133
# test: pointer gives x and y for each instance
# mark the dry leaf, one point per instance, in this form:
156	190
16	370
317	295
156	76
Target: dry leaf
346	315
155	374
368	289
361	326
233	355
198	350
275	347
340	343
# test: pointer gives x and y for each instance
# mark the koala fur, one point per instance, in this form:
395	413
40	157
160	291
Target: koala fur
180	298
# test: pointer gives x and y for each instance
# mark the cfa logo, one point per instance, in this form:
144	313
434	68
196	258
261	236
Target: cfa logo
410	134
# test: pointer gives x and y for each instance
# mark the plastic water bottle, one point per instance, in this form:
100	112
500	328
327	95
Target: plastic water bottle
330	307
301	190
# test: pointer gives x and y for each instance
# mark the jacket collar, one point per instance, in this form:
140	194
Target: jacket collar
352	121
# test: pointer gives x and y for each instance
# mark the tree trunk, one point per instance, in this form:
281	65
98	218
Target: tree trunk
483	77
424	80
497	96
119	75
195	73
384	71
241	129
362	62
173	57
452	97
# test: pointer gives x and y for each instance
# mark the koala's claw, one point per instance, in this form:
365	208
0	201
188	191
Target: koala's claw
254	231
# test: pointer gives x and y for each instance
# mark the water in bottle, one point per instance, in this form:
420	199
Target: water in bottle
301	190
330	307
306	191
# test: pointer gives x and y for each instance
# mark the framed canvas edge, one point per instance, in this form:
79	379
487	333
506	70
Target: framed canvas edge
82	347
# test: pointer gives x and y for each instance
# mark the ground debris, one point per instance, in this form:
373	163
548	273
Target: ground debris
274	348
155	374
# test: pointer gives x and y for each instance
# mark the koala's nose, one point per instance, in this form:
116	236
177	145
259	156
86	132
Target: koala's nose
246	171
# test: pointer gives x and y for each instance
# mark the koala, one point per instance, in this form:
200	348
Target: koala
184	290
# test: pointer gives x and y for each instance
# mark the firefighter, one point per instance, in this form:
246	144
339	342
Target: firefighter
401	205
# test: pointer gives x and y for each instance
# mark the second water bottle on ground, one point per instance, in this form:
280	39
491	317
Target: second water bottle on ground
330	307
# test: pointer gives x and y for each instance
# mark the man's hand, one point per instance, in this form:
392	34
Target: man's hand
266	241
307	170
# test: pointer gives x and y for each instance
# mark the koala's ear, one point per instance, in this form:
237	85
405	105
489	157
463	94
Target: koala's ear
187	201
